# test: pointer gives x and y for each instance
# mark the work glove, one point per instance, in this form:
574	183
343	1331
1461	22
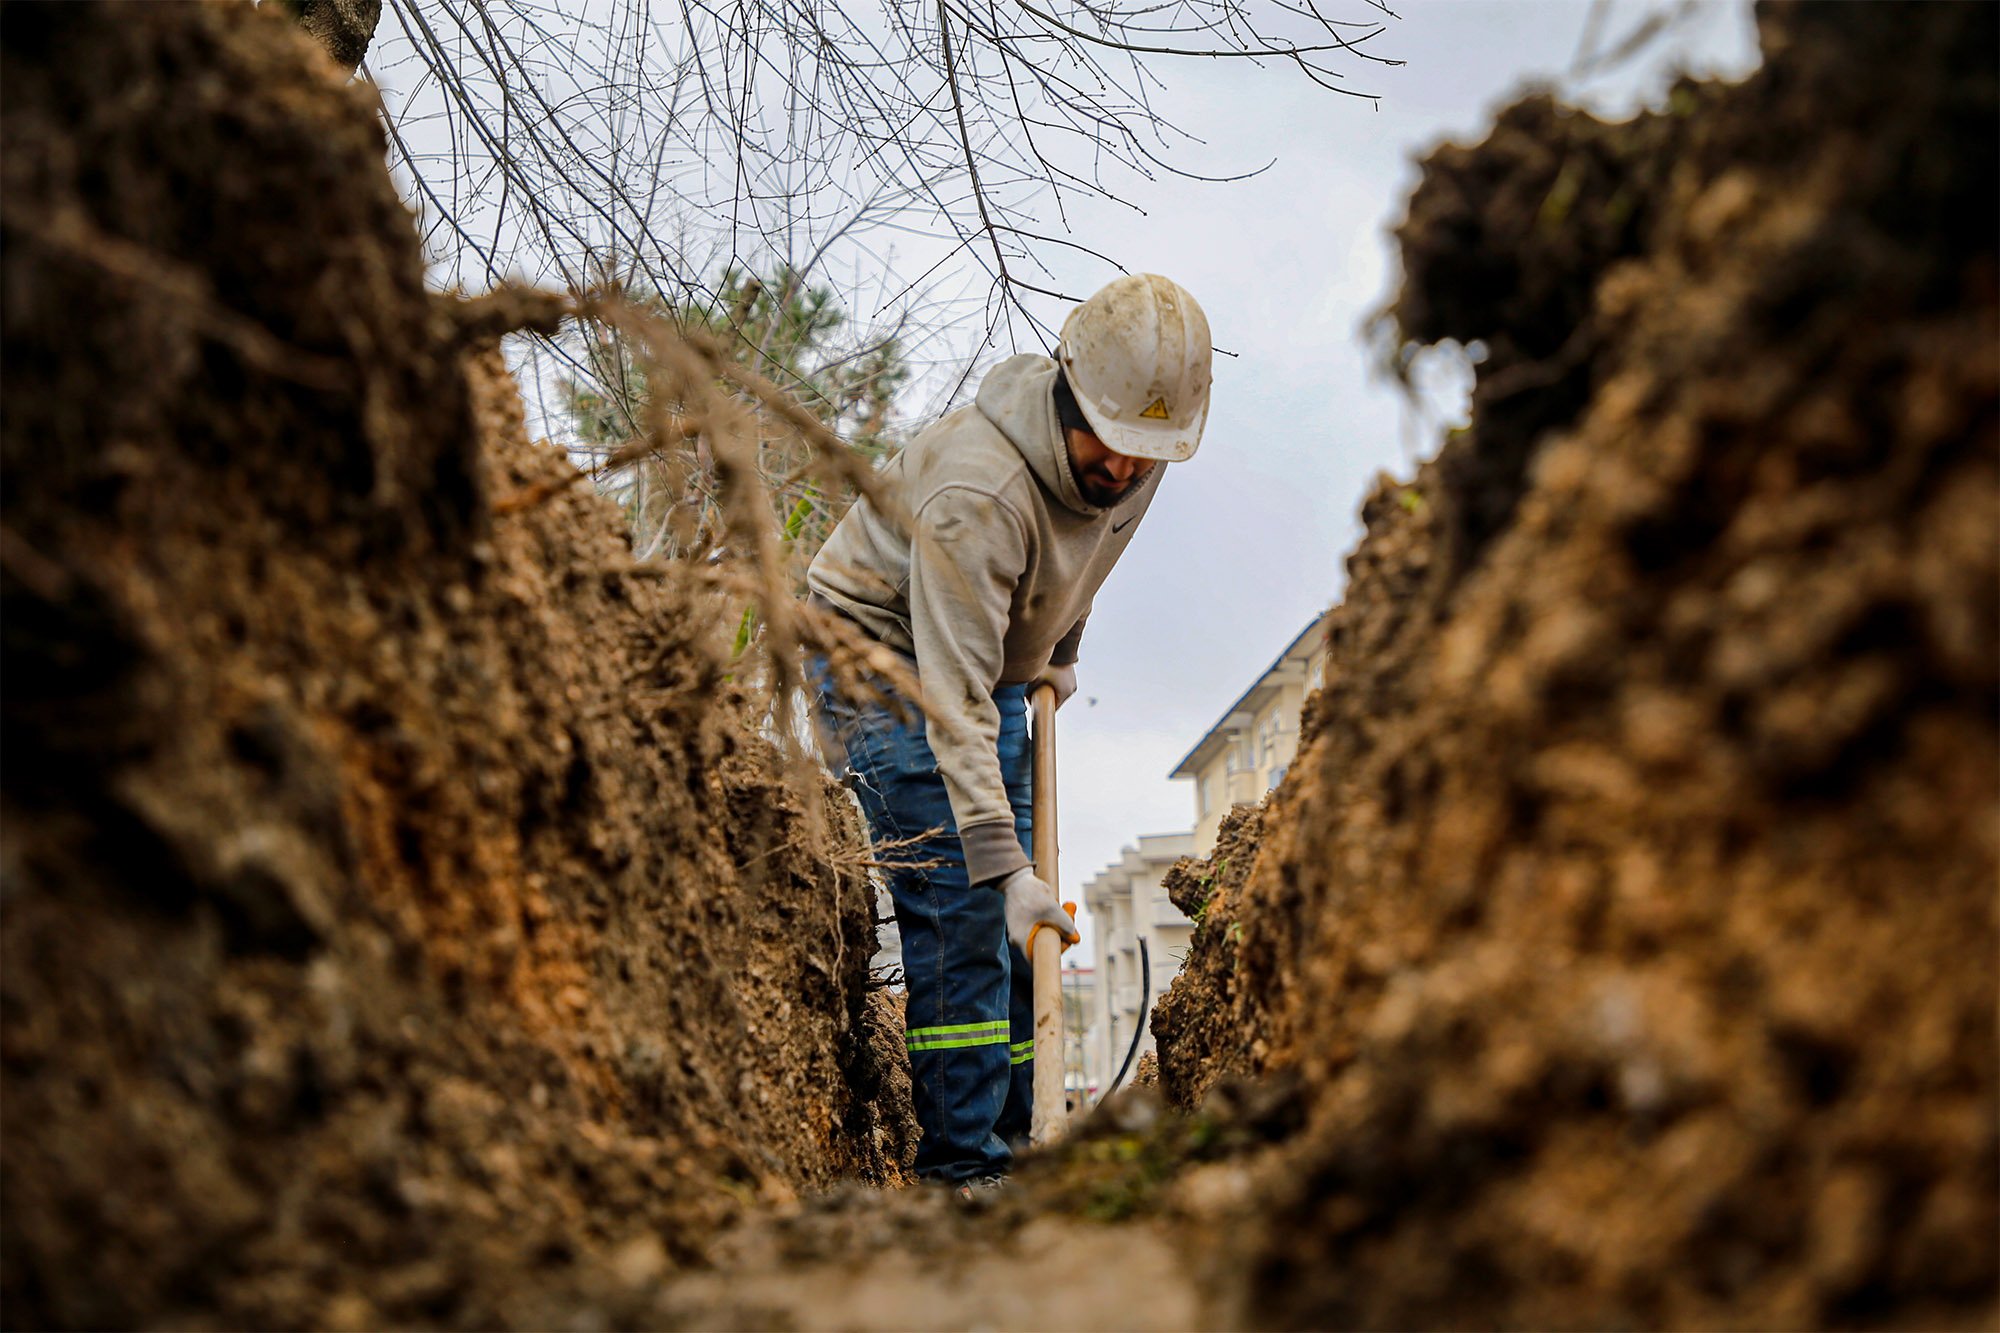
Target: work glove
1032	903
1062	677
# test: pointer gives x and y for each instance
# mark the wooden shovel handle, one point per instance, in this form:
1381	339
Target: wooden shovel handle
1050	1113
1043	705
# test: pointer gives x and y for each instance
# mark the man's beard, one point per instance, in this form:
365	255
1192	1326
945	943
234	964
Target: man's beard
1103	491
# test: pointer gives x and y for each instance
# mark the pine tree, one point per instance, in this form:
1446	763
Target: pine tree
792	333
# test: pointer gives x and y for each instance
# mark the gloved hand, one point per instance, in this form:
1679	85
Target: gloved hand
1062	677
1032	903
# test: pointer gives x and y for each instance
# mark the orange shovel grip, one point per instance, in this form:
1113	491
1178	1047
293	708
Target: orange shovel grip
1040	927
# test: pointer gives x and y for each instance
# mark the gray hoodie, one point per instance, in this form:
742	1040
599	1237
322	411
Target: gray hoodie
995	586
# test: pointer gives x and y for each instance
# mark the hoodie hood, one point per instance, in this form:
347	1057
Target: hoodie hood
1018	397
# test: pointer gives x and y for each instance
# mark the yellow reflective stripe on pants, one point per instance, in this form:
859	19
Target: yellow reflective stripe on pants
1021	1052
952	1029
953	1036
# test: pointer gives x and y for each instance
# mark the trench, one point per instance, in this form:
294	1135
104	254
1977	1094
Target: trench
404	921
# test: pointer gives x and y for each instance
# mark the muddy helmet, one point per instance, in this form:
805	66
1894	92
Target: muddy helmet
1137	357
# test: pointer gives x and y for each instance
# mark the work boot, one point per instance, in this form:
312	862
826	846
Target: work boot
979	1189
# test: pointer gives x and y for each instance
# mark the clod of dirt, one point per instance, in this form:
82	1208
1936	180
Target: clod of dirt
404	923
1629	910
1207	1026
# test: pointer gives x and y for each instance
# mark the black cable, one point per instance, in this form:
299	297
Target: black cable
1146	971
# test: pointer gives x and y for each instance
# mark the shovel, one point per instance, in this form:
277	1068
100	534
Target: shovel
1050	1113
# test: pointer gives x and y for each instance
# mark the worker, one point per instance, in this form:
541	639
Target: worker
1013	510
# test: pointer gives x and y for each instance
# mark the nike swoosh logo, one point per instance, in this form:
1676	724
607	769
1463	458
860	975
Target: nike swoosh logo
1117	528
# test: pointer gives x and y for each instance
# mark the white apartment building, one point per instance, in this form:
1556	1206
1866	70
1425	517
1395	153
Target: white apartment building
1128	906
1079	989
1239	759
1245	754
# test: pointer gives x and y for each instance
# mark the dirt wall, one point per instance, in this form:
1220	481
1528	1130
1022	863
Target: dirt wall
1206	1026
403	922
1629	912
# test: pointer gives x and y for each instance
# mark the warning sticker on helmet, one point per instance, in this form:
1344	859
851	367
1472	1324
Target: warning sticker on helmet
1158	411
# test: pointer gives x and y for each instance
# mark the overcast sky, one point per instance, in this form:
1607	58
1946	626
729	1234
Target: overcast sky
1245	543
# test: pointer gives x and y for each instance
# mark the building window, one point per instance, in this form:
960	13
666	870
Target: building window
1268	737
1205	791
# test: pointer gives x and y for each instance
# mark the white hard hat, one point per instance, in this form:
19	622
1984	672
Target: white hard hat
1137	357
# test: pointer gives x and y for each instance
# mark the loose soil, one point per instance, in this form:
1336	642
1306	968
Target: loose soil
403	921
1629	912
1204	1026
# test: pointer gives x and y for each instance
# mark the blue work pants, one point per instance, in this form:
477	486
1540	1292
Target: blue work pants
971	1005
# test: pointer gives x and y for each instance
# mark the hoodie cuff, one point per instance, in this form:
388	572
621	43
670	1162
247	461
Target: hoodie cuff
991	851
1065	650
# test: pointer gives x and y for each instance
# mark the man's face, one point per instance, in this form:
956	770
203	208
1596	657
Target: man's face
1103	475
